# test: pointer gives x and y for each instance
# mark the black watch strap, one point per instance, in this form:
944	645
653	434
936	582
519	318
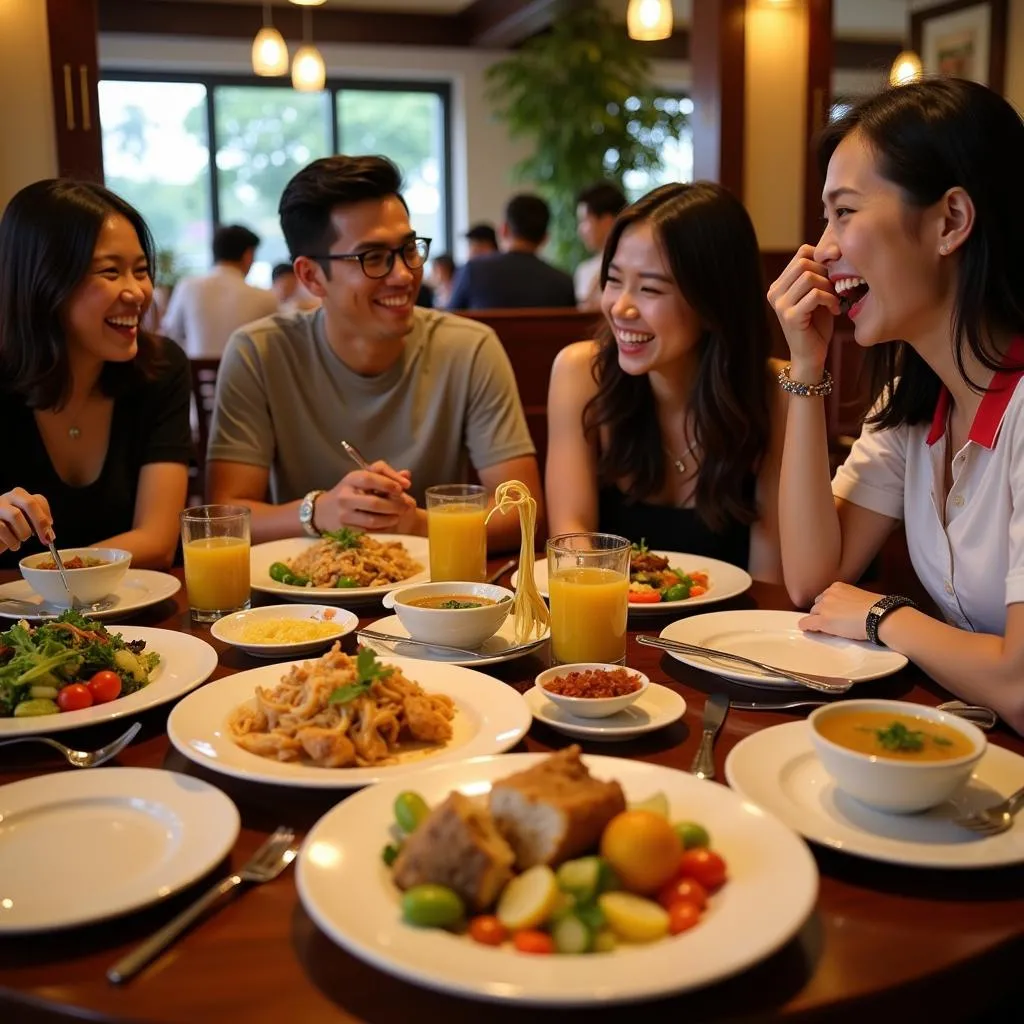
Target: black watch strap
879	610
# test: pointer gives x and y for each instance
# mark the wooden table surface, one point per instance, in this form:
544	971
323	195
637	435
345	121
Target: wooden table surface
892	941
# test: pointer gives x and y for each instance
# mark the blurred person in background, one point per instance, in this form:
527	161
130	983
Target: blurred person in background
203	311
291	296
442	276
596	210
95	410
483	240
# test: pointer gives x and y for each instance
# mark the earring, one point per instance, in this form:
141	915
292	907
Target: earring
944	249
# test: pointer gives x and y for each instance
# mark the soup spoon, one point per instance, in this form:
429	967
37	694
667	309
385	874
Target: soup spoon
982	717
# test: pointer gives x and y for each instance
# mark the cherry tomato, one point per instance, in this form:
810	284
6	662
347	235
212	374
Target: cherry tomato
105	686
530	941
74	697
683	890
705	866
682	917
487	930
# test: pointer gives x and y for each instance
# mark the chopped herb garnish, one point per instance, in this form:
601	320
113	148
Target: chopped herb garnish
899	738
344	538
453	603
368	671
641	548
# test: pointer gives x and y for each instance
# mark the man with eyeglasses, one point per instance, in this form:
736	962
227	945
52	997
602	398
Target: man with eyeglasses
423	394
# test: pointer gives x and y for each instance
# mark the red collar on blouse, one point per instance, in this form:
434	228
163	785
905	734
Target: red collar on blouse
993	404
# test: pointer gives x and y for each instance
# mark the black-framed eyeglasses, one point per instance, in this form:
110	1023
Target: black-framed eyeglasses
378	262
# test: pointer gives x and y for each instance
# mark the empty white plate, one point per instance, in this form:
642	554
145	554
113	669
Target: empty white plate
82	846
778	770
776	639
657	707
139	589
500	647
230	628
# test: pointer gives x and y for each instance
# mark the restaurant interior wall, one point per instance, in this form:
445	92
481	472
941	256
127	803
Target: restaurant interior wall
29	150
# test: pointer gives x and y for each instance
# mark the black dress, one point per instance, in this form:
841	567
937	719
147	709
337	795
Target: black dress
150	424
666	528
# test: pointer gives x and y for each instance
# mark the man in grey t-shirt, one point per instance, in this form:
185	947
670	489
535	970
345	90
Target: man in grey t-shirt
418	389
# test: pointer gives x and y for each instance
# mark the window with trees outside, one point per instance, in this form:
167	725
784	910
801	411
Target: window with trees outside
191	152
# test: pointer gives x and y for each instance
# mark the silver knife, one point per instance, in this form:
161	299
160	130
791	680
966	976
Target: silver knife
716	707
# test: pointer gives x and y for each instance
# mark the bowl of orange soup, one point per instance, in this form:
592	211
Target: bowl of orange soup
454	614
93	574
893	755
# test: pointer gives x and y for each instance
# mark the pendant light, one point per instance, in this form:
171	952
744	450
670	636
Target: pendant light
269	52
308	71
647	20
308	3
905	68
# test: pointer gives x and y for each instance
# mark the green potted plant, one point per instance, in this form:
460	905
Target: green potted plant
583	94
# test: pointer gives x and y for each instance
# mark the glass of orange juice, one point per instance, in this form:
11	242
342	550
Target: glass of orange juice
215	544
457	532
588	587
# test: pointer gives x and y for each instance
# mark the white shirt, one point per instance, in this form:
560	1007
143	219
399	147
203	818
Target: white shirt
203	311
587	282
969	552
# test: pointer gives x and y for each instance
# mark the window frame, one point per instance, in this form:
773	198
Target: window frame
333	85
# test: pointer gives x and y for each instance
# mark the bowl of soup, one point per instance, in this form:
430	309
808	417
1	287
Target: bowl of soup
93	574
454	614
894	755
592	689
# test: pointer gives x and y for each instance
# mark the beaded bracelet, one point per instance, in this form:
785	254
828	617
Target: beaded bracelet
794	387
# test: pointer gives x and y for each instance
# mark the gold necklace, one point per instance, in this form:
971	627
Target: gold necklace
679	461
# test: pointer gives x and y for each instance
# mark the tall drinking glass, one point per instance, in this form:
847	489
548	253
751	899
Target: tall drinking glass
215	544
588	586
456	531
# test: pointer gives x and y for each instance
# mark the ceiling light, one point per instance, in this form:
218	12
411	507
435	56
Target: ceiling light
269	52
308	70
905	68
308	3
647	20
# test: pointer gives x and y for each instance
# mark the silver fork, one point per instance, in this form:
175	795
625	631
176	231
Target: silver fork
264	865
982	717
993	820
83	758
824	684
389	638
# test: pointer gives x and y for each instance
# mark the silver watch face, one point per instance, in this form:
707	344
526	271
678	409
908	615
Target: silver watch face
306	511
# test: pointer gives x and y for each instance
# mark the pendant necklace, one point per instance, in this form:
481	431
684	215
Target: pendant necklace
679	461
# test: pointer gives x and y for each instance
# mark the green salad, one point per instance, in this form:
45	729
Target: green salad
67	664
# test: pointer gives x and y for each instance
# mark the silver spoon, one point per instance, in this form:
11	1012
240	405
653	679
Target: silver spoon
982	717
83	758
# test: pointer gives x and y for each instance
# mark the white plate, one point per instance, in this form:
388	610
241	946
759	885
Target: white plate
229	629
657	707
724	581
139	589
775	638
500	647
134	835
773	883
490	717
185	662
778	770
263	556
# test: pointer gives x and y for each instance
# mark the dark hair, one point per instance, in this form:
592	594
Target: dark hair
931	136
280	270
311	195
527	217
605	199
48	237
444	260
232	241
710	245
483	233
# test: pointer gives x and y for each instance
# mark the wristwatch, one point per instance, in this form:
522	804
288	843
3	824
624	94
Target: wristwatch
307	508
879	610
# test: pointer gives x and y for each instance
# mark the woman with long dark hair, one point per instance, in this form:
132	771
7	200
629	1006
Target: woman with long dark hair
921	249
662	429
95	411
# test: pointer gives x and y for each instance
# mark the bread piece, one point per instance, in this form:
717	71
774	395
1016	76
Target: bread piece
555	810
458	846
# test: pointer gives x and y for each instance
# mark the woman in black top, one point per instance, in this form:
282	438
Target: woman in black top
668	428
94	412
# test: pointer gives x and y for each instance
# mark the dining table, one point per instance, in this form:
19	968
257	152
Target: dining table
884	940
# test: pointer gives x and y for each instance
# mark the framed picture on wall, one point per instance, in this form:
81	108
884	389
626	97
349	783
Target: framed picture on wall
963	39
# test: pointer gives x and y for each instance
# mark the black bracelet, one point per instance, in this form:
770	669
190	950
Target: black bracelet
879	610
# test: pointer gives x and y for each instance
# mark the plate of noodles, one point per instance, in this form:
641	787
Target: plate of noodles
343	565
284	630
341	721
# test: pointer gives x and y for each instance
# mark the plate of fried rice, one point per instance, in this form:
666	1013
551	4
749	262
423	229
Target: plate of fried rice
340	567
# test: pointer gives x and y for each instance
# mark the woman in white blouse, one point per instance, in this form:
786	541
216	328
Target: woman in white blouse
922	243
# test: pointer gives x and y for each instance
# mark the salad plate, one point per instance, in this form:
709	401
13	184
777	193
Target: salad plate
349	893
724	581
138	835
263	556
185	662
139	589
